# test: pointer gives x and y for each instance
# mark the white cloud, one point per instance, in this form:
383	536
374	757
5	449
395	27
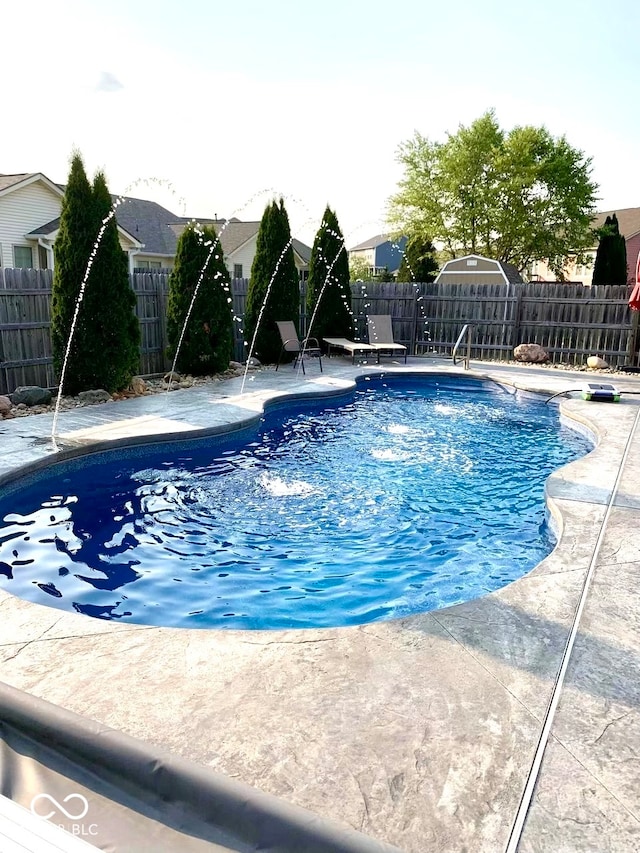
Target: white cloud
108	82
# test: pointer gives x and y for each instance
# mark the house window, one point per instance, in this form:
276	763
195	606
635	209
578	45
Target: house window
472	263
43	258
22	257
149	265
237	270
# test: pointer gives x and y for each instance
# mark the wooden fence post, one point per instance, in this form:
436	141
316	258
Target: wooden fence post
517	317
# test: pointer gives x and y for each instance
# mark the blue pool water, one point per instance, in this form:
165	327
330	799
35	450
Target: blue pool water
411	494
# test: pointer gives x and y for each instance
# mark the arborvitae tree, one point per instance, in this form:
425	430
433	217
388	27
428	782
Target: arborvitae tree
207	344
110	331
104	350
72	250
274	278
329	282
418	261
611	258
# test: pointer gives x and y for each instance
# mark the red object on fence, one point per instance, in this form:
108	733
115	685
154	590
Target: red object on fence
634	299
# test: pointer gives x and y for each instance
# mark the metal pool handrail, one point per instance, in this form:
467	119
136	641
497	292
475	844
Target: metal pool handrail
467	329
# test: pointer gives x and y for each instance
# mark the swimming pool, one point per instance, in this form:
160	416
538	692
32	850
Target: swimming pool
411	494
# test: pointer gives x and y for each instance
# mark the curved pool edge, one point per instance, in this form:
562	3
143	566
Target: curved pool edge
566	487
465	684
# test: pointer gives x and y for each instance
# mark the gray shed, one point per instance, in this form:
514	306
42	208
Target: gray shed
474	269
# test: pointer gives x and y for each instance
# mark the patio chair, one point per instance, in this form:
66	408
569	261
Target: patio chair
381	336
308	348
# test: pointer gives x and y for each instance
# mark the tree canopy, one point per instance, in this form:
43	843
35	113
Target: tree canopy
517	197
611	258
207	343
328	283
274	284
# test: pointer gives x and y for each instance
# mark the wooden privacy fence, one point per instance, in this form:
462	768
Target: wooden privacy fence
571	322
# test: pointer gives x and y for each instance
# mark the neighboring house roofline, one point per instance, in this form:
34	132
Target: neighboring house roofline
23	180
628	220
373	242
50	230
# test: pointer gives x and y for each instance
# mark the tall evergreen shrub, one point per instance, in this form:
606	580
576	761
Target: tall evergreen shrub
207	345
328	283
76	236
112	330
611	257
273	284
105	346
418	261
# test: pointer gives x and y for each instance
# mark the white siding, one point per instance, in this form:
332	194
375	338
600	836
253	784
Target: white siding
21	211
244	255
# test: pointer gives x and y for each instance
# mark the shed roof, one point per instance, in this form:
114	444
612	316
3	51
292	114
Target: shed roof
454	267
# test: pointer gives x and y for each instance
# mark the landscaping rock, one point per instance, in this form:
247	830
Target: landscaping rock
532	353
595	362
98	395
138	385
5	407
172	376
31	395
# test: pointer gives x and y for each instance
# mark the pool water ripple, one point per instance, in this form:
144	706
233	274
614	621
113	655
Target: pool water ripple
414	494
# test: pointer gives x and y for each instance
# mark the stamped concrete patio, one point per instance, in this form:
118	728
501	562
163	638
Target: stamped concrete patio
429	732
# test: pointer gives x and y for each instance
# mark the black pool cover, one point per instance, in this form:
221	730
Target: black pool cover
121	794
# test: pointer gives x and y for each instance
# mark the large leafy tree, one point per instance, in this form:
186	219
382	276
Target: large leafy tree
516	197
207	343
359	269
611	257
328	289
105	346
273	286
72	250
418	261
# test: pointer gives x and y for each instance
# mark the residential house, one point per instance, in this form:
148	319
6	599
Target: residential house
475	269
380	253
30	207
629	225
239	242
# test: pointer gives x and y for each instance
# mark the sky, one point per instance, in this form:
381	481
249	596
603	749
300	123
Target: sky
216	108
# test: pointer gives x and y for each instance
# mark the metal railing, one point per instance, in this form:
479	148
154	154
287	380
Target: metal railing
467	330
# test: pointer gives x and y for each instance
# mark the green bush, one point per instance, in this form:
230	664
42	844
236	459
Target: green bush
328	286
105	348
273	286
207	344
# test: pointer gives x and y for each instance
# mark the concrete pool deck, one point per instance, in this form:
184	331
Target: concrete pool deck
421	732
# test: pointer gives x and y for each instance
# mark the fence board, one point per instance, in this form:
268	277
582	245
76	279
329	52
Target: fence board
570	321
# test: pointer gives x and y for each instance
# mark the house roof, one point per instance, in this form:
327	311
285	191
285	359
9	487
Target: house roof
302	250
149	223
628	220
50	228
8	183
153	226
234	234
378	240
